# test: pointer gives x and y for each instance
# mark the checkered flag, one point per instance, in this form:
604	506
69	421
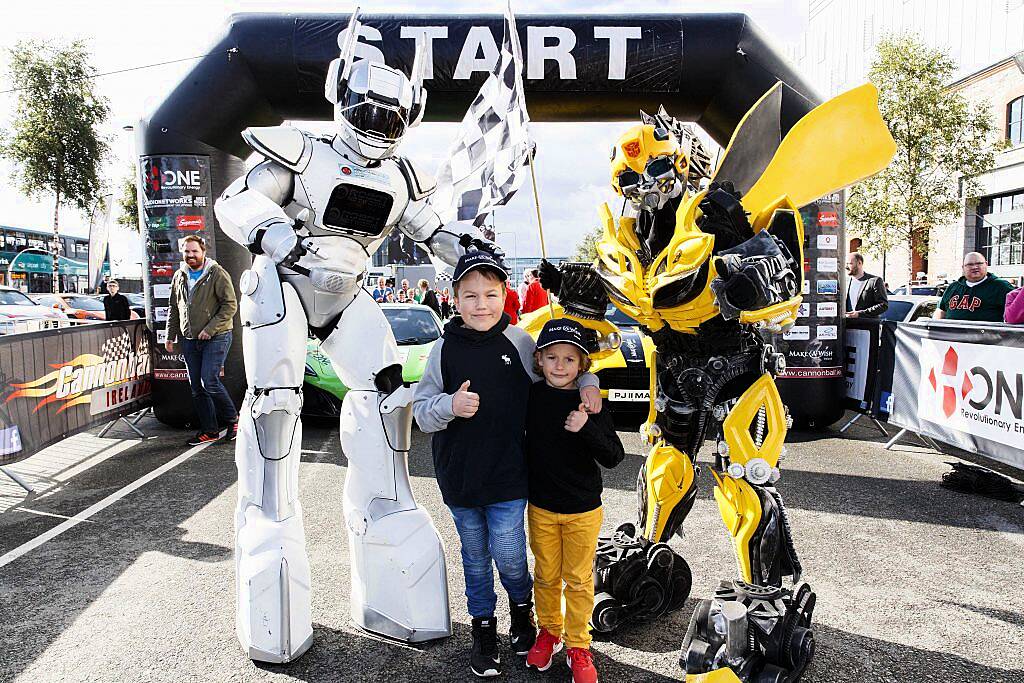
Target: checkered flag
117	347
485	165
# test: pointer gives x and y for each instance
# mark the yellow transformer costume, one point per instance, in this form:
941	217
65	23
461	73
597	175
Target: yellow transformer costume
704	268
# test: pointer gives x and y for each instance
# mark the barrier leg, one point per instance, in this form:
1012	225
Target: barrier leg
16	479
850	423
881	427
129	424
893	440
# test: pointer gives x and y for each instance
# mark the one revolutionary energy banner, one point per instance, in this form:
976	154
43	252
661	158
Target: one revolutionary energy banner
57	383
963	385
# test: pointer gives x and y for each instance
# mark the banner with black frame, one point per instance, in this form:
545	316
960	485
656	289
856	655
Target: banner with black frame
57	383
962	383
870	345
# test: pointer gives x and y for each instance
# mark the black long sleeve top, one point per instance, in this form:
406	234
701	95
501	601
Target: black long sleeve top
117	307
564	476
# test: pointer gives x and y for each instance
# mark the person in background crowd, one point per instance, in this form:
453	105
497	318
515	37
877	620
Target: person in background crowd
512	304
536	297
405	286
978	295
201	308
866	296
389	298
380	293
446	304
521	289
402	298
1013	312
102	287
428	297
116	305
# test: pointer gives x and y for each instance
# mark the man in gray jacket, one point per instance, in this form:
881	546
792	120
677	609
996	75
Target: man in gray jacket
201	308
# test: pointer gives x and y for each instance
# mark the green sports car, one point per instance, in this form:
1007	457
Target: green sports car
416	329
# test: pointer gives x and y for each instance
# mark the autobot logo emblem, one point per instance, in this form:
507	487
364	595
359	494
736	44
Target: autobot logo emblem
632	148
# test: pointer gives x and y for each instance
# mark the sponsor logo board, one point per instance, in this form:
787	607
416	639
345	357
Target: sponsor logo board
827	309
827	332
828	219
828	286
828	264
828	241
797	332
803	311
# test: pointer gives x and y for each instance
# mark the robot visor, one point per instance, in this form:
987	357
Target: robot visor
377	120
656	169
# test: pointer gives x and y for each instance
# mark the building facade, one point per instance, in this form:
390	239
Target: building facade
993	221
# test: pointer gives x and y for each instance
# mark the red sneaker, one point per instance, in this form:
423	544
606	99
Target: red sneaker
540	655
581	662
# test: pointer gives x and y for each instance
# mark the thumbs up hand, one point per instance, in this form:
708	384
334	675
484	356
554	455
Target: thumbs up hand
465	403
576	419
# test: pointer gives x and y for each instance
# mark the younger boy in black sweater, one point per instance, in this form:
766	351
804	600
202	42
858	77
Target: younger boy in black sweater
473	398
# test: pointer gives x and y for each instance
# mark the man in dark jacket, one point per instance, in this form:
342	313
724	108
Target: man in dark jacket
116	305
428	297
865	293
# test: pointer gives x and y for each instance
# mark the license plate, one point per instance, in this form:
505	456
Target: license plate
629	395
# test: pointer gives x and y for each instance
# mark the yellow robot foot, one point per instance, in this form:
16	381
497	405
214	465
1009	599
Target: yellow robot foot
762	634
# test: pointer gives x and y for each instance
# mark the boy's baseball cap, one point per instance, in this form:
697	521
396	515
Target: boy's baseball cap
564	331
478	259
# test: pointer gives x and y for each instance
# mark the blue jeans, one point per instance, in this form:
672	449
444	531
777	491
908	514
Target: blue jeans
204	359
495	533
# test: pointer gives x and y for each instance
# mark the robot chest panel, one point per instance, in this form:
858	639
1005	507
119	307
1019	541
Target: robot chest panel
347	199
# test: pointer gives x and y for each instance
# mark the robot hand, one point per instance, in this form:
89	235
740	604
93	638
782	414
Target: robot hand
470	243
550	276
751	283
280	243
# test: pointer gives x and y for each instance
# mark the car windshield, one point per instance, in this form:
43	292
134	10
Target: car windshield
85	303
412	326
897	310
12	298
618	318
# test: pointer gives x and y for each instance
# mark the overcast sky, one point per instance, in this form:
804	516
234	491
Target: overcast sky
572	160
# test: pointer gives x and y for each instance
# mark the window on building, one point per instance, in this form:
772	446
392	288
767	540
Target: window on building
1015	121
1000	229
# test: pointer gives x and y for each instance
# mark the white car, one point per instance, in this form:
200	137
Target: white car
905	308
18	313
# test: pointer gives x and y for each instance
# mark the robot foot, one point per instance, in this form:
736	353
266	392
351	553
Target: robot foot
277	627
636	579
762	634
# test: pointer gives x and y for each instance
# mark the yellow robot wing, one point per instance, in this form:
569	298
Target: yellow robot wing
835	144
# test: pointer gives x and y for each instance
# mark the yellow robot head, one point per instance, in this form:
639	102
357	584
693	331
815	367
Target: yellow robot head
648	166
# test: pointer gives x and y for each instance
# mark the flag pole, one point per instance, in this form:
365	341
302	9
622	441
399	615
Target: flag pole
540	223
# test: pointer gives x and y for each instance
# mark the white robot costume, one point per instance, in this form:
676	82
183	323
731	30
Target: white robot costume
312	212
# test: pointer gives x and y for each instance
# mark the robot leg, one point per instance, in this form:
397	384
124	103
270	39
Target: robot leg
752	625
273	618
399	576
637	575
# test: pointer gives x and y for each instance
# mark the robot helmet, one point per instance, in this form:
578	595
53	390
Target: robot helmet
648	166
374	103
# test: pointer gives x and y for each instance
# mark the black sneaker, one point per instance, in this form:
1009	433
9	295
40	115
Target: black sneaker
229	432
484	659
523	631
203	437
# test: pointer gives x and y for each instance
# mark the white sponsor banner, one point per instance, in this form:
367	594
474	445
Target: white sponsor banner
797	332
161	291
828	264
828	309
803	311
161	313
110	398
973	388
806	288
827	332
858	351
828	241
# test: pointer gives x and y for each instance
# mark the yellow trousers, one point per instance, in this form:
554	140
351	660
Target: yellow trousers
563	547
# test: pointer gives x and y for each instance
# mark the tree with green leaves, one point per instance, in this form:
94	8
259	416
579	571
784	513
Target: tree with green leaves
586	248
55	143
128	202
941	142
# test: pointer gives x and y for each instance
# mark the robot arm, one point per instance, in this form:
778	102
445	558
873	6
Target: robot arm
422	223
250	212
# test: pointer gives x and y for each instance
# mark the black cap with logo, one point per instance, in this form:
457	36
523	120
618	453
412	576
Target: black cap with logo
565	331
478	259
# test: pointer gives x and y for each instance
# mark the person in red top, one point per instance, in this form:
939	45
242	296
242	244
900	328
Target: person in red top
512	304
536	297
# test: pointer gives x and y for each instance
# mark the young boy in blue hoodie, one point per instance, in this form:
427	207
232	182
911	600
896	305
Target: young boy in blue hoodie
473	398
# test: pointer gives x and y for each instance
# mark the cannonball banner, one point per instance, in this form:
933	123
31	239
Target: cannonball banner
56	383
963	385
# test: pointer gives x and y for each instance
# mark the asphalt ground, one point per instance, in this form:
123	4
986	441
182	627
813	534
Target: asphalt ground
914	582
